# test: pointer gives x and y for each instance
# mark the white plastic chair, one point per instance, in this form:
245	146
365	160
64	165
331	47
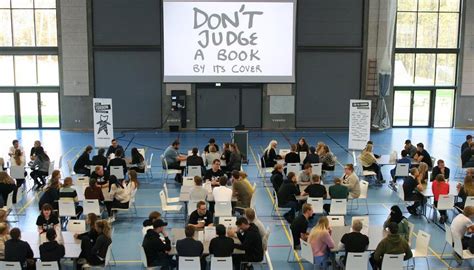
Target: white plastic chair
194	171
336	221
191	207
91	206
76	226
316	204
189	263
67	208
51	168
17	172
47	265
71	169
293	167
464	254
392	261
411	228
167	172
263	170
117	171
448	237
148	170
357	261
10	265
364	188
401	170
228	222
283	152
275	205
302	156
168	208
108	259
82	180
92	168
421	248
338	207
168	198
188	181
223	209
445	202
469	201
221	263
317	168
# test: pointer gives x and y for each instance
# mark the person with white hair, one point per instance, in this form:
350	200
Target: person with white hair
269	155
354	241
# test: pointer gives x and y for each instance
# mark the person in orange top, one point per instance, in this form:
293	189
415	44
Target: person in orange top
440	187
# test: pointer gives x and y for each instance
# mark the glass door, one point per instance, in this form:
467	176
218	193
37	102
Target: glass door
29	111
412	108
38	110
49	105
444	108
421	108
7	111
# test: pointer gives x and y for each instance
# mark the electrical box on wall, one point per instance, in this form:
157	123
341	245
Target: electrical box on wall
178	100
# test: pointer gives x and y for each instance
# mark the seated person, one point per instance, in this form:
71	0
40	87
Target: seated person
221	246
173	160
410	148
462	226
277	177
439	169
47	220
467	157
411	186
369	161
7	186
20	251
201	217
305	175
351	181
82	163
137	161
336	191
250	215
198	193
405	158
212	155
393	243
100	159
302	145
440	187
222	193
354	241
292	156
269	157
156	250
422	175
90	235
154	215
95	254
119	197
316	190
422	155
312	157
299	226
465	190
212	143
214	172
286	196
465	144
188	247
93	191
194	159
327	158
241	189
118	161
51	195
250	242
321	242
113	149
5	235
68	192
51	251
101	176
396	216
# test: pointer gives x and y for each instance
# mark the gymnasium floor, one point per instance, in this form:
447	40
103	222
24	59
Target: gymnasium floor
441	143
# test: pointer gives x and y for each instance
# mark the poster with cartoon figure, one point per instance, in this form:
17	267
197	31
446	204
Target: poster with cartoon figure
103	122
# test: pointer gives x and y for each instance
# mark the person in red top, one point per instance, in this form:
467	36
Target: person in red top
440	187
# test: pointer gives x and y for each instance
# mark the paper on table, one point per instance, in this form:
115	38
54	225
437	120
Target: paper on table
201	236
209	233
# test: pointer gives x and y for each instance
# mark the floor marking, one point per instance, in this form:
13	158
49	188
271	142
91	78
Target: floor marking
278	213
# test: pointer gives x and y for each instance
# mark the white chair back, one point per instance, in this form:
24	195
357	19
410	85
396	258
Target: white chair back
51	168
228	222
194	171
458	246
448	235
91	206
336	221
76	226
306	252
283	152
401	169
108	255
17	172
469	201
9	203
364	189
92	168
223	209
445	202
164	203
221	263
142	152
189	263
47	265
392	262
293	167
317	168
253	200
67	208
10	265
316	204
192	206
69	166
117	171
302	156
358	261
83	180
422	243
338	207
188	181
143	256
400	192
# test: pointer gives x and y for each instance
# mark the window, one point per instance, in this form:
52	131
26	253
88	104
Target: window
29	80
426	60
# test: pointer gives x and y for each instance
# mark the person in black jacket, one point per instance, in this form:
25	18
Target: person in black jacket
269	155
51	251
212	142
195	160
100	159
95	255
51	195
250	242
465	145
286	196
439	169
17	250
156	250
467	157
154	215
118	161
235	159
83	161
277	177
221	246
215	172
292	156
91	235
312	157
302	145
188	247
113	149
7	186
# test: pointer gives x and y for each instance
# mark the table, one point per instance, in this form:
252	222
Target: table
375	233
385	160
178	233
184	195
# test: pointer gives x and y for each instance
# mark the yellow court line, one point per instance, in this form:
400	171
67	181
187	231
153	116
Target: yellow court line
278	212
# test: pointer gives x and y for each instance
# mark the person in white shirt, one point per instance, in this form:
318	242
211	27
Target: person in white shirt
462	225
15	145
222	193
351	181
119	196
212	155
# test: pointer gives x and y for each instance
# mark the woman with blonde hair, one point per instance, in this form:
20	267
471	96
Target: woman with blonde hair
321	242
423	173
269	155
133	183
327	158
7	185
465	190
369	162
320	148
95	254
4	236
